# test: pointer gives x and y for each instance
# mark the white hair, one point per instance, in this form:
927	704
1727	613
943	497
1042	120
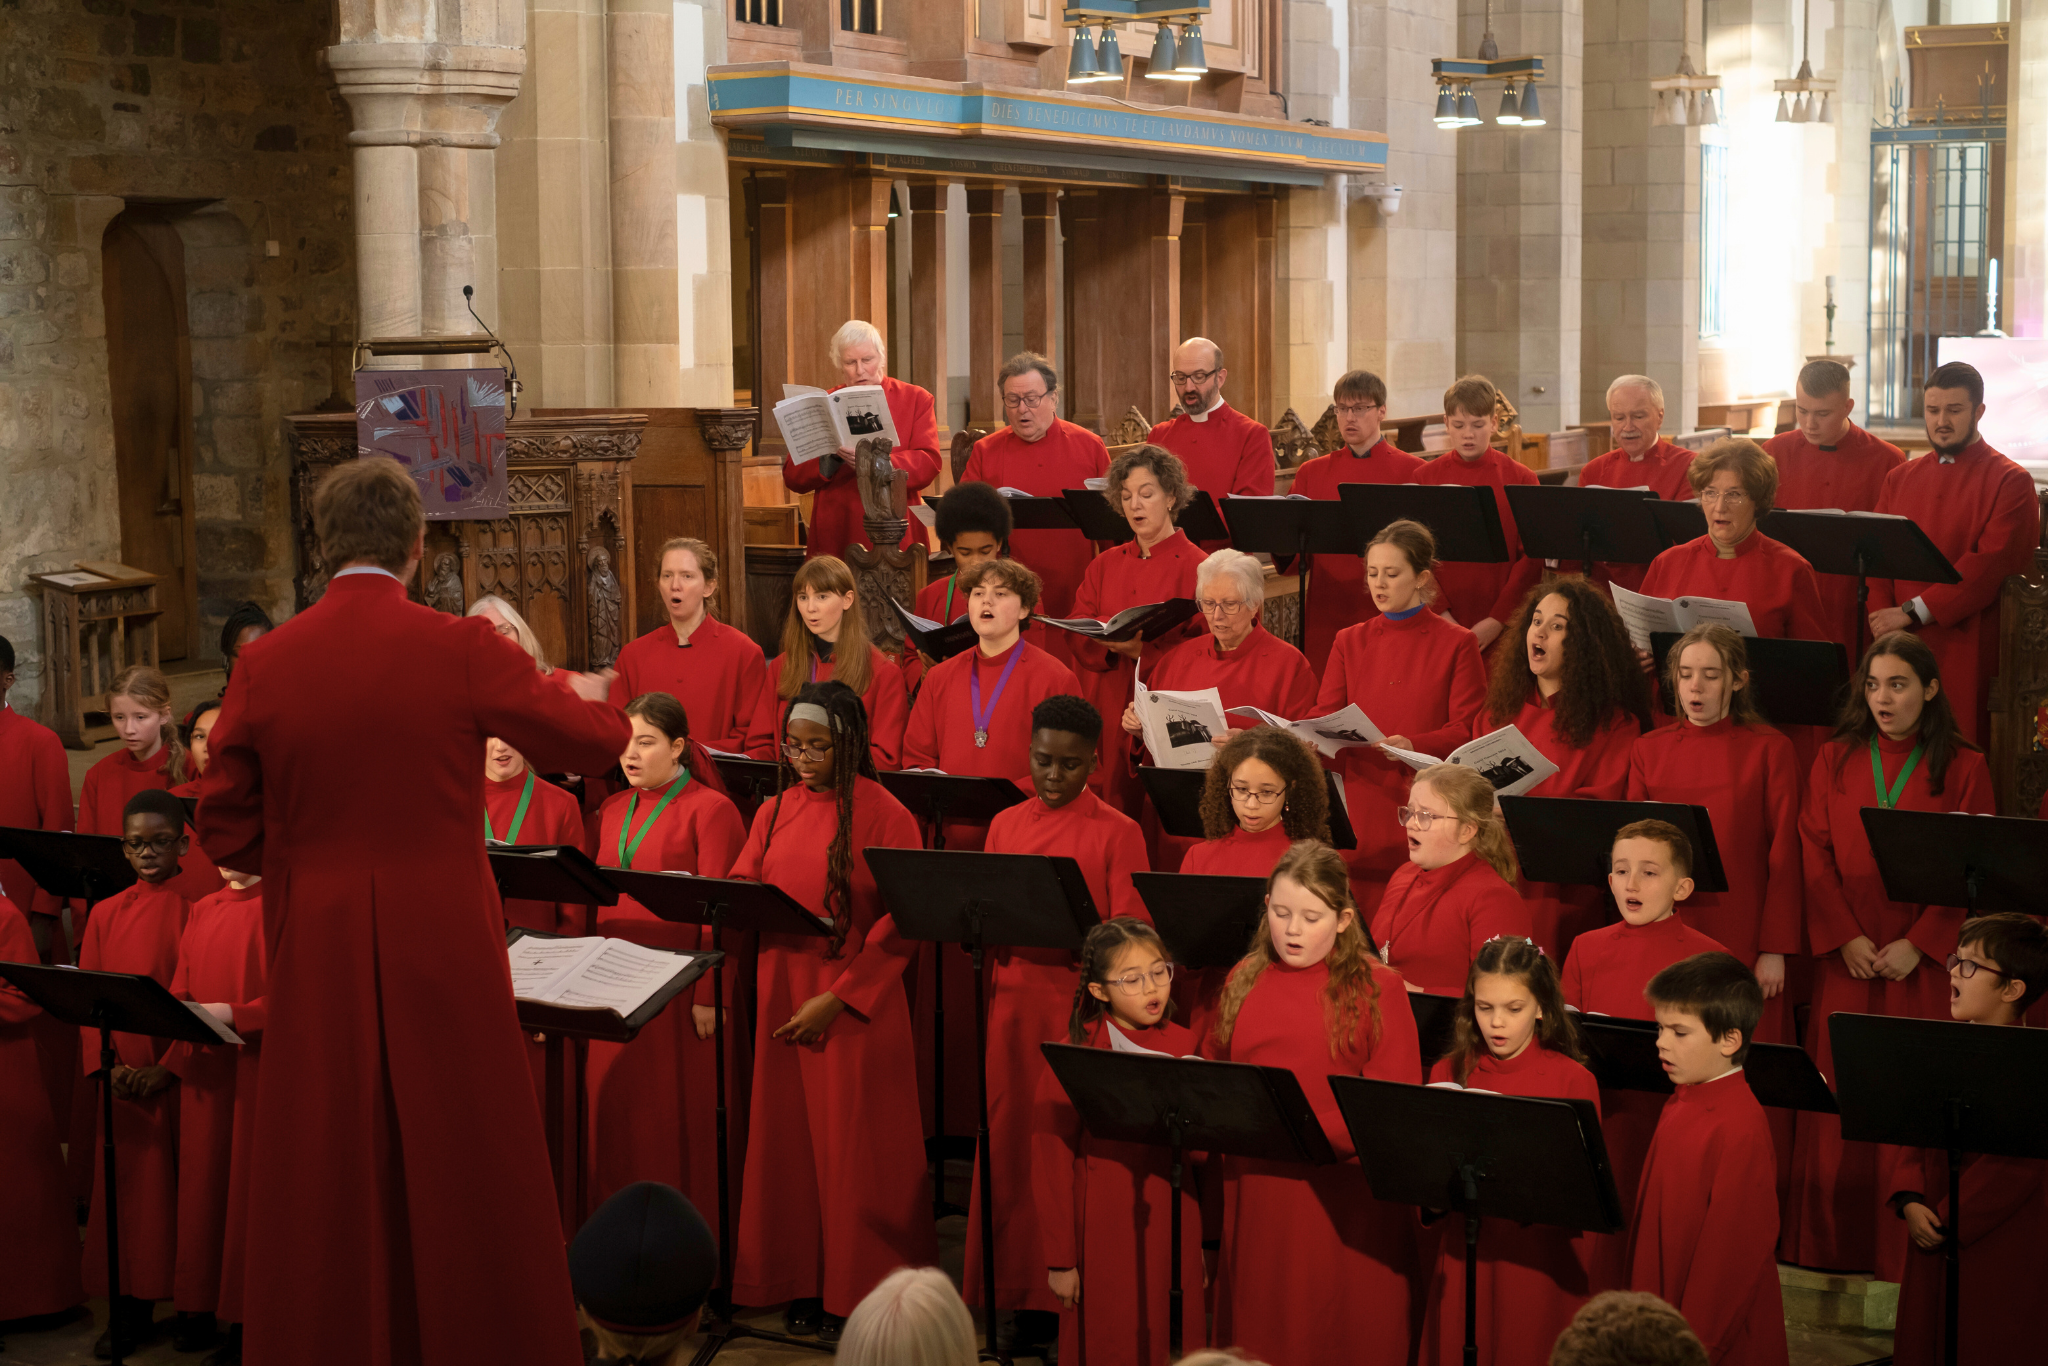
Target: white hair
854	333
491	603
1644	382
1248	572
913	1318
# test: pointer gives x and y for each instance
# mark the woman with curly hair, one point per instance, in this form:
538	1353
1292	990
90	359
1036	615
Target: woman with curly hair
1311	996
1575	690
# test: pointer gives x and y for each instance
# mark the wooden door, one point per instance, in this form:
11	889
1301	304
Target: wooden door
149	372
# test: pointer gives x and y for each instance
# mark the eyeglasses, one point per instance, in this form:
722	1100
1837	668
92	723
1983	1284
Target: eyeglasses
1729	498
163	844
793	751
1967	968
1013	402
1189	376
1212	608
1419	818
1359	409
1256	796
1134	982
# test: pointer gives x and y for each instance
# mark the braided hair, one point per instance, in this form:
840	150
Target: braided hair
1098	951
852	760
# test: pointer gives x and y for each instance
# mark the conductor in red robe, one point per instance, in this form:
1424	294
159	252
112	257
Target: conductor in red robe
379	1223
1640	458
1979	508
1225	451
862	357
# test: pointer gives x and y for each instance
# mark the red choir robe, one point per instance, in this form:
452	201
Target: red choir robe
1431	922
1225	453
136	931
1474	592
1836	1217
2004	1226
552	817
1336	596
1706	1222
39	1259
375	1214
35	796
836	520
1848	475
1125	576
652	1115
1532	1277
1599	771
1419	676
1774	580
1606	974
1031	996
1979	509
836	1194
718	677
1066	457
220	959
1105	1209
1664	469
1238	854
104	795
1287	1226
887	702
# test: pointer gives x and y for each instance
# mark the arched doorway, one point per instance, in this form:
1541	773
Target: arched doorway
149	370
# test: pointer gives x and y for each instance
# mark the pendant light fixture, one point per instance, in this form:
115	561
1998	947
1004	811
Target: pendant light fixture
1458	107
1177	53
1685	96
1810	93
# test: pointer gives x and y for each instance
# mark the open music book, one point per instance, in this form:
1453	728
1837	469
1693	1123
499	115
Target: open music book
1178	726
1503	757
1349	728
814	423
1152	619
594	973
939	640
1644	615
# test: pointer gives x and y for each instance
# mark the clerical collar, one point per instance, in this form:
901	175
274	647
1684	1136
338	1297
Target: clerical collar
1203	416
1405	612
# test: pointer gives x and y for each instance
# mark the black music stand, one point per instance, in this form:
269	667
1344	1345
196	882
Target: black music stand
1176	795
1286	528
1946	1085
749	781
1677	521
1464	519
1529	1160
1952	858
1436	1024
1205	921
110	1002
1091	511
1570	839
1039	514
721	903
1863	545
1794	682
981	901
1622	1054
1182	1103
90	867
1590	525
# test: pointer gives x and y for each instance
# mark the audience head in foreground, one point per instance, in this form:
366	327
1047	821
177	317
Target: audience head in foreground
641	1267
913	1318
1627	1328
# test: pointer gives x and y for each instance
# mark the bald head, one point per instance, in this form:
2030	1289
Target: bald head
1198	374
1635	414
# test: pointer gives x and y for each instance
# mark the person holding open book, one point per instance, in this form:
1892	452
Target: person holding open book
862	357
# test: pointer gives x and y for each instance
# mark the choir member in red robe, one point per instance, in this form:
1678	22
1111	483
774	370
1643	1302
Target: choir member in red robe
1706	1222
221	966
1148	485
507	621
39	1261
1032	990
861	357
137	931
1104	1209
1639	458
972	522
1336	596
34	795
1312	997
1575	691
1457	889
836	1195
1998	970
1650	873
376	1217
1872	955
1043	454
1979	509
523	808
716	671
825	636
1514	1037
152	755
1481	596
1420	680
1827	461
1225	451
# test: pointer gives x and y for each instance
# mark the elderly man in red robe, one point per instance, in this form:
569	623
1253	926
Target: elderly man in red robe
1225	451
400	1207
1979	508
1640	457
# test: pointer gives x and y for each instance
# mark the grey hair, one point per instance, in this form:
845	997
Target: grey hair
521	632
913	1318
852	334
1023	363
1655	389
1249	574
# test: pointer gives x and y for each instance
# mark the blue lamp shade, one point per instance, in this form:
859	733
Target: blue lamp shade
1081	67
1532	112
1192	60
1109	58
1510	108
1446	108
1164	57
1468	108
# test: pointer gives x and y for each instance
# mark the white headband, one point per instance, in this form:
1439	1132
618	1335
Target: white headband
812	712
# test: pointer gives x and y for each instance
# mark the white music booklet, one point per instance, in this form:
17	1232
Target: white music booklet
593	973
1643	614
1504	757
1332	734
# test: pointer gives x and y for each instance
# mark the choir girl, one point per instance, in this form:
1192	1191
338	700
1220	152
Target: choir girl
1103	1209
1998	970
1337	595
197	731
1898	745
507	621
1417	675
35	795
1149	486
1513	1037
1032	990
824	637
835	1194
716	670
651	1099
247	624
1457	889
1481	596
1313	997
38	1222
523	808
1705	1231
1575	691
152	755
1639	458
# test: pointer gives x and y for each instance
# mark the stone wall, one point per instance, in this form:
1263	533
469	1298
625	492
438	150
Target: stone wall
221	114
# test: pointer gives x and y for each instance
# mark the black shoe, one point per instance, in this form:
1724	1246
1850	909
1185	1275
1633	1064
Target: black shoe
1035	1328
803	1317
194	1332
831	1327
134	1320
229	1352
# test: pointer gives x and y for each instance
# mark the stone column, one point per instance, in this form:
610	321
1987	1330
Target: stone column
928	286
640	98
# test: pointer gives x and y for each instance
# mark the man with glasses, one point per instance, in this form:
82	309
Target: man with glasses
1640	458
1225	451
1042	454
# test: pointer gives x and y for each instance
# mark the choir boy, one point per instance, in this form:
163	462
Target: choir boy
715	670
1225	451
973	524
1639	458
1481	596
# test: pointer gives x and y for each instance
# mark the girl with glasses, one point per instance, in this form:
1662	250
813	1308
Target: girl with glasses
1457	889
825	637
